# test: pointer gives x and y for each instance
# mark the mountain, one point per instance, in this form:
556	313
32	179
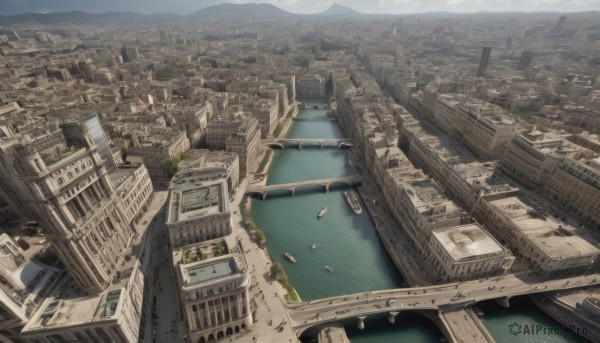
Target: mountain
79	17
250	10
340	11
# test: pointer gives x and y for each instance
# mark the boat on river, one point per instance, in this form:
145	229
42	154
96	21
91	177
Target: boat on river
329	269
322	212
289	257
313	246
352	201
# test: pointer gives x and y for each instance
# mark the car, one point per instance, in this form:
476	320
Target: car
389	302
492	287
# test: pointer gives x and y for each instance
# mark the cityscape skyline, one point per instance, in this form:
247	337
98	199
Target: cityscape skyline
244	174
183	7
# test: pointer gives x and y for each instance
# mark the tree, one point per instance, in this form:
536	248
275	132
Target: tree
259	236
276	270
199	253
171	165
186	155
218	249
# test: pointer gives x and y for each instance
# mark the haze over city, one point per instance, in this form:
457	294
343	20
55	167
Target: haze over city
301	6
299	171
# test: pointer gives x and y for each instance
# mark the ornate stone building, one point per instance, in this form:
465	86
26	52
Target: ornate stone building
60	180
198	212
214	295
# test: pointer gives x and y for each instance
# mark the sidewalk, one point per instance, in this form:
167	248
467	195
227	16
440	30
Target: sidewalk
271	321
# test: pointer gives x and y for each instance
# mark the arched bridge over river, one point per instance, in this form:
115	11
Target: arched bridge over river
431	300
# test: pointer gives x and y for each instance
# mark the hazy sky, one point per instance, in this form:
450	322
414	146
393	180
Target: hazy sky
300	6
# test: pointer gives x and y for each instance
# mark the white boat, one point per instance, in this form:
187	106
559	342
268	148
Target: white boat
329	269
313	246
353	202
322	212
289	257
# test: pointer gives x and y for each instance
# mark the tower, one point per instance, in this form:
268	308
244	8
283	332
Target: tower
561	23
485	58
525	60
61	181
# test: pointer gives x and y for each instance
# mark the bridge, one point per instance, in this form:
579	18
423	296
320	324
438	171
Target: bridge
291	187
314	106
431	299
315	119
299	142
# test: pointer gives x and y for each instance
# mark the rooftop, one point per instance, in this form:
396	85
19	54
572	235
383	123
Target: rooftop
467	242
208	271
197	199
557	239
429	200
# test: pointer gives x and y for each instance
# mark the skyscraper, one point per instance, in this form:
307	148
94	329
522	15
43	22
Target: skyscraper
561	23
509	42
485	58
525	60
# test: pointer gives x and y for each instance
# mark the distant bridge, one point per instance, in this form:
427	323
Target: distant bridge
291	187
315	119
299	142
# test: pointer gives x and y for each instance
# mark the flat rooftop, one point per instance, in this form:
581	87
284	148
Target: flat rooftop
75	309
429	200
197	199
557	239
467	242
211	270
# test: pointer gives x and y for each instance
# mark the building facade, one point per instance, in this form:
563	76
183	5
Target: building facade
69	192
197	212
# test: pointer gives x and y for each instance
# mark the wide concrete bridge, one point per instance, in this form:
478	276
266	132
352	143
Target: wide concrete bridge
434	300
299	142
291	187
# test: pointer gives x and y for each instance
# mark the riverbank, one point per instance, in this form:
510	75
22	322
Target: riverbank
398	247
563	309
267	301
276	271
287	121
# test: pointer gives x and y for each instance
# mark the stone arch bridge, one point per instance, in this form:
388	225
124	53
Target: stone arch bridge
263	191
299	142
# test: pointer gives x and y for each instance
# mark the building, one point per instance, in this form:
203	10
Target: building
554	248
61	181
485	59
561	23
197	211
112	316
246	144
466	252
565	172
213	293
155	147
485	130
525	60
24	283
208	165
311	85
129	53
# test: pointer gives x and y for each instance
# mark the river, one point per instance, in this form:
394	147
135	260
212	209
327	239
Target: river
345	241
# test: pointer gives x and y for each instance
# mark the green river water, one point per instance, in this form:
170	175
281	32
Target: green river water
349	243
